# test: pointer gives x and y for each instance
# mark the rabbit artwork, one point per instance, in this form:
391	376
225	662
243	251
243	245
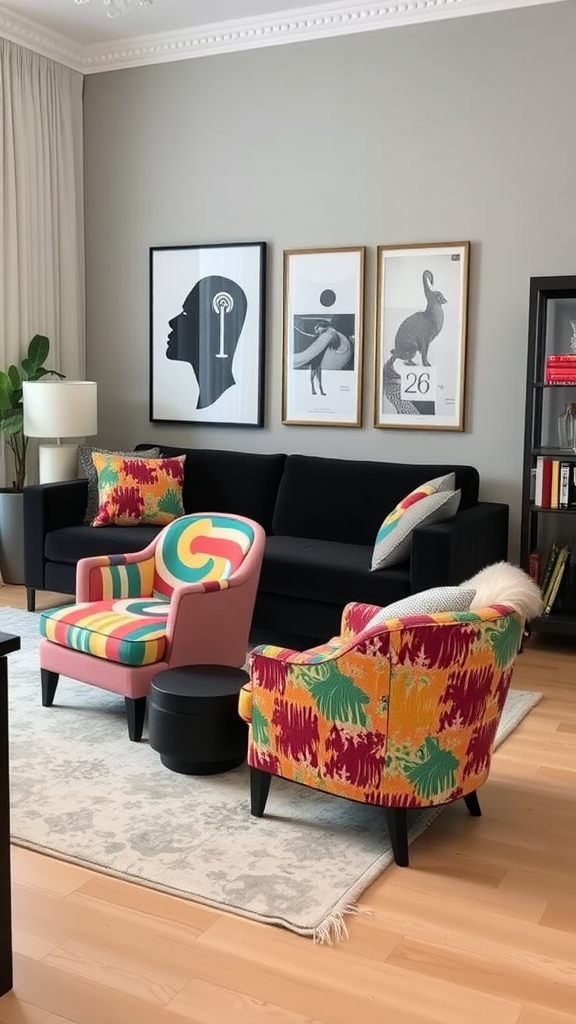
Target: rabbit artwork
416	333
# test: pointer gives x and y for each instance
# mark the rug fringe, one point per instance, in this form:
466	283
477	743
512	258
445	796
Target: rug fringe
334	929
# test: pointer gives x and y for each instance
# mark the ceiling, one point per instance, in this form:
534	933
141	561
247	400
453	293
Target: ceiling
84	37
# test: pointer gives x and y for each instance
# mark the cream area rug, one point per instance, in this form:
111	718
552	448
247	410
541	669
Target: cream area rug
81	791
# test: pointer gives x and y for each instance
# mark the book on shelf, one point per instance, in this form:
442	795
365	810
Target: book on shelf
534	561
556	578
554	483
572	486
564	484
560	369
547	571
570	584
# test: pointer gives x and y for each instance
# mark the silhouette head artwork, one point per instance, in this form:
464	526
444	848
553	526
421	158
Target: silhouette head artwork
206	332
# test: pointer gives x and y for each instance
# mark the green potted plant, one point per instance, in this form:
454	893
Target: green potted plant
11	405
11	429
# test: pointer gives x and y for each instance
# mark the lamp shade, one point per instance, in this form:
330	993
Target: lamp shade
60	408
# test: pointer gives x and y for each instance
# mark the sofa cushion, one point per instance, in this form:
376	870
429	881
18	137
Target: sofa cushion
321	570
346	500
226	481
74	542
394	538
134	491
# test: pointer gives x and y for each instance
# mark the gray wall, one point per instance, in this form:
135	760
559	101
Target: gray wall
463	129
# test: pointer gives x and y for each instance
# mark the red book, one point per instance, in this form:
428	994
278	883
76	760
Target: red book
546	483
534	566
563	357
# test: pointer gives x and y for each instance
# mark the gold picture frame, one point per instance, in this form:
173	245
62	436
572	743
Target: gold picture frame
421	329
322	339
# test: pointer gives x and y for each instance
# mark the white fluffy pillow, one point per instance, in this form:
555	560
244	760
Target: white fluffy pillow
504	583
437	599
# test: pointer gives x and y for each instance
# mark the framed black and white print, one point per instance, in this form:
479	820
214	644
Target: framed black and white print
207	314
322	336
421	323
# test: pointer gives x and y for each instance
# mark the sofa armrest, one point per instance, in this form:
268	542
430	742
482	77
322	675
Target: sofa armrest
49	507
444	554
356	617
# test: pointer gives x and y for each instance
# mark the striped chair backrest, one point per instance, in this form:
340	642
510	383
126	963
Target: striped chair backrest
205	549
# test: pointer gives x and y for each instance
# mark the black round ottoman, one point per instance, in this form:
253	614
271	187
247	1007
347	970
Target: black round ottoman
193	720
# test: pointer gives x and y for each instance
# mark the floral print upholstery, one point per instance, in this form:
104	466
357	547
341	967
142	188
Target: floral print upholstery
403	714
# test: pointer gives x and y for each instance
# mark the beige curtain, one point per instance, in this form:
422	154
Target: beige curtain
41	211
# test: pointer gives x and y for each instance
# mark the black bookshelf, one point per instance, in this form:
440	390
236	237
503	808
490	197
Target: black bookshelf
8	643
563	624
552	305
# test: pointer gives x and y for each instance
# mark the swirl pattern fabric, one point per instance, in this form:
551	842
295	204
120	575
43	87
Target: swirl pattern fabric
200	549
403	714
132	631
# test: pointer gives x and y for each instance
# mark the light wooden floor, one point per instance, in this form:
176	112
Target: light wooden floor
480	929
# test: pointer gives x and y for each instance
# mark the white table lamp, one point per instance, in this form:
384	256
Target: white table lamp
57	409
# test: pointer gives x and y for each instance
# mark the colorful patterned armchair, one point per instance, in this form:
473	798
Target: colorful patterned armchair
402	714
188	598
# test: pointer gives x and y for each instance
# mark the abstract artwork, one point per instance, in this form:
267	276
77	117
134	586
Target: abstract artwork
422	299
207	310
322	342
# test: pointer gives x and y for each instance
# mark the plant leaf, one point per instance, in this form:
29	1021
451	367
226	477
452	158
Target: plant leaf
6	391
12	423
38	350
14	375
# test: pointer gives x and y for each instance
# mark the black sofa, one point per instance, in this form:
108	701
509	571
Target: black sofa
321	517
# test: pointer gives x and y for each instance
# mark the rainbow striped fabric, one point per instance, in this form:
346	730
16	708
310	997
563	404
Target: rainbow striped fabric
132	631
200	549
118	576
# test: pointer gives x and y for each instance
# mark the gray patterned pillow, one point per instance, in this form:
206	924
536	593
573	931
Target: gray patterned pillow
88	470
427	602
394	539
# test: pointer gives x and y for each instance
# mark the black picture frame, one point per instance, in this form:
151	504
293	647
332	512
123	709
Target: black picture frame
207	321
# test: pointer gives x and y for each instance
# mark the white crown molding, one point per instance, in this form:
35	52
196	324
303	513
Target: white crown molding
308	23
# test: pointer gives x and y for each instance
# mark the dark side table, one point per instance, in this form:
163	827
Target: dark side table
193	720
8	643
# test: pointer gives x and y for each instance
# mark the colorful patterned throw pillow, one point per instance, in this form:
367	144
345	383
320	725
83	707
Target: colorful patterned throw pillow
134	491
429	503
85	453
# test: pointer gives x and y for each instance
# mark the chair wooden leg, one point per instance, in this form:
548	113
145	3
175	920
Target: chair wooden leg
259	787
49	684
398	830
135	712
471	801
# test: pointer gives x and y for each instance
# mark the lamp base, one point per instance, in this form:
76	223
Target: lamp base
57	462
